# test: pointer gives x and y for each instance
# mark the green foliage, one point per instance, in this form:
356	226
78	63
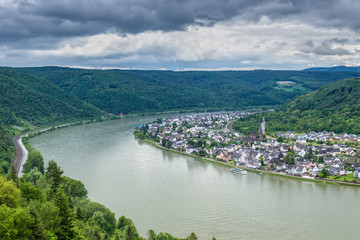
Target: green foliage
289	158
47	219
38	101
151	235
122	222
93	232
73	188
53	174
34	175
335	107
35	159
6	148
98	218
89	208
67	216
9	193
248	124
12	175
131	233
30	192
79	214
128	227
119	91
325	173
192	236
16	223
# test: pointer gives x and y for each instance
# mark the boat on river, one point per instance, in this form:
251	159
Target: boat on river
239	171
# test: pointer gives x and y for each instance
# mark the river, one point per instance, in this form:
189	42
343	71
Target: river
169	192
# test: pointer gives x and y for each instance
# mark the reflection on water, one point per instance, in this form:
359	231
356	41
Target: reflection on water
169	192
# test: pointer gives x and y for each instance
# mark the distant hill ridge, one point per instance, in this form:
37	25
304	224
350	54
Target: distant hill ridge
132	91
335	107
334	69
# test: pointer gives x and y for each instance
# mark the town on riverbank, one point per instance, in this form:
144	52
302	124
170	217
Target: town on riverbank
313	155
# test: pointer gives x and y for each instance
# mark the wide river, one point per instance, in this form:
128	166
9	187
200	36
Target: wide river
168	192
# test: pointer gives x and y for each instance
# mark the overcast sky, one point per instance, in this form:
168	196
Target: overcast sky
180	34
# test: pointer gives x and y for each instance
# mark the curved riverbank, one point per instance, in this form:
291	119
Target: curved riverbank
20	149
317	180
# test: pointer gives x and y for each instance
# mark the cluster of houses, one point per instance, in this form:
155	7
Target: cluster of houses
319	136
209	136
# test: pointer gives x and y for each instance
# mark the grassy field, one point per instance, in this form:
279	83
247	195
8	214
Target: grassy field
290	87
346	178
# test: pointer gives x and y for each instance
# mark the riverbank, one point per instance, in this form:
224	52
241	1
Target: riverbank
20	150
316	180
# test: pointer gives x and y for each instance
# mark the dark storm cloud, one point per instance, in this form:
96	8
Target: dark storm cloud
66	18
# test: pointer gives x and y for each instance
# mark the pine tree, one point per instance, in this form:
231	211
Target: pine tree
79	213
53	173
117	237
93	233
192	236
12	175
131	232
67	215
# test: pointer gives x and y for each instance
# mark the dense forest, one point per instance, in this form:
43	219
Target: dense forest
30	99
335	107
119	91
7	150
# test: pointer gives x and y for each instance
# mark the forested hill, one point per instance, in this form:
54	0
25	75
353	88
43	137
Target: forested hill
125	92
27	100
335	107
30	99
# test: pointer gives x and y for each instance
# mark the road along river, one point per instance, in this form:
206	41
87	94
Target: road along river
169	192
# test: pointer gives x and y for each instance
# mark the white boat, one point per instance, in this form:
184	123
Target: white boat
239	171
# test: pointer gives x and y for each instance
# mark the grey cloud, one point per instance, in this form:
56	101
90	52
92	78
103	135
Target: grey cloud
309	43
325	48
339	40
31	19
330	51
